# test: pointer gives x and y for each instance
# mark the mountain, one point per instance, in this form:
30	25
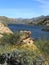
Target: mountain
41	20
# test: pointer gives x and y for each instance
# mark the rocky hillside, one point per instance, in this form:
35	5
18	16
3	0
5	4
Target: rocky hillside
23	51
20	49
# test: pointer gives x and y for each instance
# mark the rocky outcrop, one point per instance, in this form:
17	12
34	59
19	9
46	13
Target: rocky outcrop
4	29
46	28
26	37
25	34
28	41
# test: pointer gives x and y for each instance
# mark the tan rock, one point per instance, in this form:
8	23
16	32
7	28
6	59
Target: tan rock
1	35
4	29
28	32
28	41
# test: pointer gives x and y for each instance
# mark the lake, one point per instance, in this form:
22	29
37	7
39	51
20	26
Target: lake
37	33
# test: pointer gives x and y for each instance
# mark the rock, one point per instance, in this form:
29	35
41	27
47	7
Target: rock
24	35
4	29
1	35
28	41
27	32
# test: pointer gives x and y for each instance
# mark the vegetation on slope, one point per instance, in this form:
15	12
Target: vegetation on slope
23	53
43	45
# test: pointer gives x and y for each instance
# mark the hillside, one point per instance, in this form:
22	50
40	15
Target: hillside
41	20
27	52
20	48
24	52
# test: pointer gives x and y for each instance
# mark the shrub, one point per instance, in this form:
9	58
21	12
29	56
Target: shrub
43	45
2	59
10	38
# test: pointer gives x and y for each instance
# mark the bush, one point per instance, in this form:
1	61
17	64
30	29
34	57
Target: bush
2	59
43	45
10	38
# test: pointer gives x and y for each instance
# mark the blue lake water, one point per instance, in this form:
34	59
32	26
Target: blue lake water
36	30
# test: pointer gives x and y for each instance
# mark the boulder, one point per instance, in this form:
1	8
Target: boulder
4	29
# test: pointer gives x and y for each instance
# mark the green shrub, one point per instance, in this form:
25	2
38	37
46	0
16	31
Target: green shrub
43	45
10	38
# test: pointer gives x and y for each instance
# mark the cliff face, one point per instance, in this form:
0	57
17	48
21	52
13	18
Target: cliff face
4	29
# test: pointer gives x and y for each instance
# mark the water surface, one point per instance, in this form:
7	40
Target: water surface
37	33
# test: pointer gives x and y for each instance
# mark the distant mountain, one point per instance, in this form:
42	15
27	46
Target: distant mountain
41	20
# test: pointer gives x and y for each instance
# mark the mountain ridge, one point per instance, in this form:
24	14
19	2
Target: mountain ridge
41	20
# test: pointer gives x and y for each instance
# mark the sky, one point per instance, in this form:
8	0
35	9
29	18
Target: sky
24	8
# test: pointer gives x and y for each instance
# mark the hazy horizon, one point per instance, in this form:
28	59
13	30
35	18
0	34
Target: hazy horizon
24	8
24	18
